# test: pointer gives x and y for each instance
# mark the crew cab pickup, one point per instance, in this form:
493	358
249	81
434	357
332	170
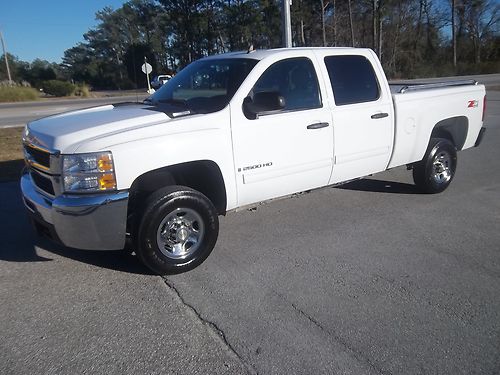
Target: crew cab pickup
229	131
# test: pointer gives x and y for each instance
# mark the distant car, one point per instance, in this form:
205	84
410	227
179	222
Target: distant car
158	81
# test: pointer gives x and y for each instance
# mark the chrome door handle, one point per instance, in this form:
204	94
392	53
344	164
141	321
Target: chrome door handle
379	115
318	125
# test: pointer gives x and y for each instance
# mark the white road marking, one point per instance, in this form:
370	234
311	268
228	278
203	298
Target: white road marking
50	111
12	126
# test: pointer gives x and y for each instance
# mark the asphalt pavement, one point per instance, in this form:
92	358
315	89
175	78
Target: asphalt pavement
368	278
18	114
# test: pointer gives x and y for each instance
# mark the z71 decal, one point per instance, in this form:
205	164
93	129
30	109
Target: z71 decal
473	104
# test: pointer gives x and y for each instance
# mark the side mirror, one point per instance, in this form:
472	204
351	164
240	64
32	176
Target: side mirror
263	103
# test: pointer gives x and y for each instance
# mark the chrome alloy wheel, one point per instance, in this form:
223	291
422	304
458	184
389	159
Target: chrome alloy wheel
441	167
180	233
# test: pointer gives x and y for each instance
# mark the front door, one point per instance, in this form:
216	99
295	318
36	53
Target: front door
287	151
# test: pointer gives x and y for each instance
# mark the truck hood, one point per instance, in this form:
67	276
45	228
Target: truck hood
68	130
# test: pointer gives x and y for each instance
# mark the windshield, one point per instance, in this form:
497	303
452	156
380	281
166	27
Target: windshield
204	86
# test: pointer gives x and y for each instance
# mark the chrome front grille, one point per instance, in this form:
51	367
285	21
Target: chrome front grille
42	182
43	168
37	157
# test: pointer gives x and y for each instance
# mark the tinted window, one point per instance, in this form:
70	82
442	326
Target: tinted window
294	79
353	79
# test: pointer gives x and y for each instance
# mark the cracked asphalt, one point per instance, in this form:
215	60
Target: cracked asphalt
368	278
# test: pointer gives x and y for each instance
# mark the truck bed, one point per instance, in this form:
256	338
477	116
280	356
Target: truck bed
418	107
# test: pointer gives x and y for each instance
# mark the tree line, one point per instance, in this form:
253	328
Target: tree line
413	38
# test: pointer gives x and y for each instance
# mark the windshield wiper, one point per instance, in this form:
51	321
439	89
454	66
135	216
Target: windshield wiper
180	102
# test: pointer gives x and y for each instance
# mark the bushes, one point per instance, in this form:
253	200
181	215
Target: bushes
62	88
58	88
20	92
82	90
17	94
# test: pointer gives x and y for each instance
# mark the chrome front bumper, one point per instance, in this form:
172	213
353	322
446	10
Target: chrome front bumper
92	222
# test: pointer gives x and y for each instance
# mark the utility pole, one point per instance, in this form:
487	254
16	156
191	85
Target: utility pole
350	23
6	58
453	33
287	24
323	6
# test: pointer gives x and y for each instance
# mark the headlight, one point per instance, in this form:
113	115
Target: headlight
88	173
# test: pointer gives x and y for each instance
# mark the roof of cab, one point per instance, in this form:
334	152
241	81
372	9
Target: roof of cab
261	54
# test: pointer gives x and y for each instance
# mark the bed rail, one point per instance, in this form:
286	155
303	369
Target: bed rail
425	86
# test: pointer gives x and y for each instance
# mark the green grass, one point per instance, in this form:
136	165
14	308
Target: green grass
17	94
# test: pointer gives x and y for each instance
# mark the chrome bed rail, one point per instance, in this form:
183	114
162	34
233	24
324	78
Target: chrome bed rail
425	86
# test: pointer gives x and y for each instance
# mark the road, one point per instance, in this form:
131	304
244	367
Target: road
368	278
18	114
491	81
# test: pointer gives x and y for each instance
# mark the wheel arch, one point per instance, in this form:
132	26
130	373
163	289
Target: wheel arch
454	129
204	176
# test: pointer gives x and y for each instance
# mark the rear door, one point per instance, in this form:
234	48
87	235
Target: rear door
362	114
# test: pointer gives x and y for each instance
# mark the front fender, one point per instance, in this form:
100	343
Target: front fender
182	140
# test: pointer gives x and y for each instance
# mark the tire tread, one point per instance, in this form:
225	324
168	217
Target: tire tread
422	169
157	201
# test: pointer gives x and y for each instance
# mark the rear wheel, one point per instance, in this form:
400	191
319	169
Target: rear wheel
436	170
177	231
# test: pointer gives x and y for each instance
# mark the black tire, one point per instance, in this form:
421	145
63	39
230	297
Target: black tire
436	170
178	230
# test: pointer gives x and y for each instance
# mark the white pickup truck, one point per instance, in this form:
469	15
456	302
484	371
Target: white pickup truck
229	131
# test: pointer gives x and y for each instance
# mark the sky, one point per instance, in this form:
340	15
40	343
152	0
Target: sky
46	28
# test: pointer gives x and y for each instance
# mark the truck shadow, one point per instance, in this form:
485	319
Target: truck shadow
119	260
10	170
380	186
18	241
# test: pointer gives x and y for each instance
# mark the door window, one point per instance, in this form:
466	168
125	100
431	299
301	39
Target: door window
353	79
295	80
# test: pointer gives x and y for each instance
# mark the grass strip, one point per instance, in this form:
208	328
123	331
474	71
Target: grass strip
11	154
17	94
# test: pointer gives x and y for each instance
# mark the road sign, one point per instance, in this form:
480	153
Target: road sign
146	68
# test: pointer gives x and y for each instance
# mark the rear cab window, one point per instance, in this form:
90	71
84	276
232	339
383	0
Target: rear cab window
353	79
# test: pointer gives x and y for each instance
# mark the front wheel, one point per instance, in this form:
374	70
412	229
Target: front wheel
436	170
178	230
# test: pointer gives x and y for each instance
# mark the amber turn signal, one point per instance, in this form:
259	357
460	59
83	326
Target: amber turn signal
107	181
105	163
